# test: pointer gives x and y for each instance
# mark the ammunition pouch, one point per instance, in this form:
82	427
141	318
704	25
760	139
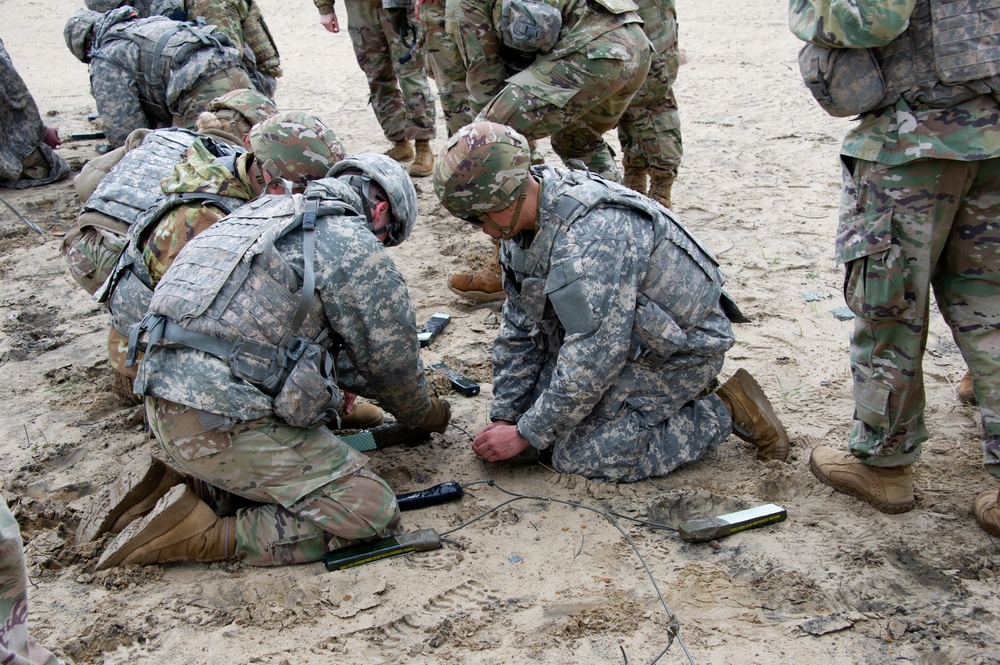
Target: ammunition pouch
309	396
529	26
845	81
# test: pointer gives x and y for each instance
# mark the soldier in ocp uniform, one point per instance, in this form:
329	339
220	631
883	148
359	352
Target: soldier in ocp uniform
152	72
27	157
615	325
650	129
920	211
399	92
254	331
445	64
241	20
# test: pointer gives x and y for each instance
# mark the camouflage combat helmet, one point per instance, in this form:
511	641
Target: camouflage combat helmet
242	109
78	29
295	146
393	179
482	169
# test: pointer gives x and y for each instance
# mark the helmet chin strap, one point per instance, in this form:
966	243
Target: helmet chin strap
507	232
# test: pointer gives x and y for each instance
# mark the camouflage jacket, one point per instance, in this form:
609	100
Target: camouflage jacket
198	171
21	129
117	76
905	130
599	304
242	21
360	297
475	27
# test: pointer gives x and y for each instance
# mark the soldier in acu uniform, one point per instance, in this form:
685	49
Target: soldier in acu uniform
241	20
152	72
567	70
615	324
920	211
26	155
254	330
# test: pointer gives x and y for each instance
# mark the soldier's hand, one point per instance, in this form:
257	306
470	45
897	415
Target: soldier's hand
329	21
498	441
437	418
51	137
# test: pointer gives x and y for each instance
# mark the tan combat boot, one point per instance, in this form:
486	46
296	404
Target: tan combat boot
987	510
660	184
890	489
402	151
423	162
143	482
362	416
966	393
637	179
754	420
483	285
180	527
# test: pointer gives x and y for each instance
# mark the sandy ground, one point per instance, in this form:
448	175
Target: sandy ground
838	582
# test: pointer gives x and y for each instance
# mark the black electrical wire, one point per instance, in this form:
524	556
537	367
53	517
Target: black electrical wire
673	623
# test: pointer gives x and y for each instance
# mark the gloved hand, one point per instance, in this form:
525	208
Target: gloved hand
437	418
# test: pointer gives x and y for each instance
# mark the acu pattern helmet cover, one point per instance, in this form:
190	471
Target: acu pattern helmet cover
482	169
393	179
78	29
295	146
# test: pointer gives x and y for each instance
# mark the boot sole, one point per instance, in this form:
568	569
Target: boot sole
139	481
171	509
888	508
753	390
481	296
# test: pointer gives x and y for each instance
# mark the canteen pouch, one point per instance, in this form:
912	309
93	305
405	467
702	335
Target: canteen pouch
309	396
845	81
529	26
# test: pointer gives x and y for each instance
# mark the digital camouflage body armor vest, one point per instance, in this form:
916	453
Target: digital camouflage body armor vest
133	184
231	294
164	46
129	288
682	287
949	53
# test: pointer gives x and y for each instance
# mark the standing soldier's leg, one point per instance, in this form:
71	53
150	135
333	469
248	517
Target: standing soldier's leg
446	65
967	289
650	132
371	47
417	96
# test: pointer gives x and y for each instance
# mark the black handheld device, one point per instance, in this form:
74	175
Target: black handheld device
460	383
434	326
383	548
431	496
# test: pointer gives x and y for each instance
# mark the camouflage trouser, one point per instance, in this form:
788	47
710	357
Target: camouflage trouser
313	492
16	646
650	129
91	252
400	95
190	106
904	230
446	65
577	98
631	444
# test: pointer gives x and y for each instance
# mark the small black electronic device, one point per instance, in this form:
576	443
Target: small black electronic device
460	383
431	496
383	548
706	529
434	326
